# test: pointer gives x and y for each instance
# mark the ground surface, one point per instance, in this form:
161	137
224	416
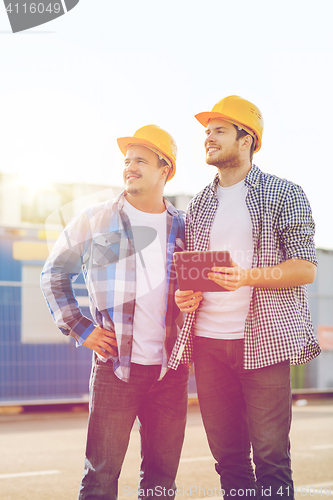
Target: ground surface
42	455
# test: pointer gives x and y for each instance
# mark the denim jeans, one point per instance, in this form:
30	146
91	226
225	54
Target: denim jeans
242	407
161	408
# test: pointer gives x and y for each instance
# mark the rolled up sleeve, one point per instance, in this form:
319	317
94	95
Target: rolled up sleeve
60	270
297	227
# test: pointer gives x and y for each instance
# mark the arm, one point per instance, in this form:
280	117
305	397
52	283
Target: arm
295	232
61	269
293	272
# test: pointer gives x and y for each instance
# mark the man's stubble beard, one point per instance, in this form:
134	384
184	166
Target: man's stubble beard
225	161
132	191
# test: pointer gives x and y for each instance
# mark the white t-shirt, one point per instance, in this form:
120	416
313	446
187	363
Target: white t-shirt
150	304
222	315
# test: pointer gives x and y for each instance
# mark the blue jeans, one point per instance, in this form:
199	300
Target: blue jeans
161	407
242	407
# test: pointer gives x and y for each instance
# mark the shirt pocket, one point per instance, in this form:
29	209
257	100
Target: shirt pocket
270	254
105	249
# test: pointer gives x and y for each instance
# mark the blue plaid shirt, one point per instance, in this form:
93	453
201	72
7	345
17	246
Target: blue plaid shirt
100	241
278	324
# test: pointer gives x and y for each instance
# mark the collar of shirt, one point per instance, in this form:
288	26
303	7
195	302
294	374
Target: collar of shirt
168	205
251	180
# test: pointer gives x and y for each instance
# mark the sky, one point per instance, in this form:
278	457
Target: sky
71	87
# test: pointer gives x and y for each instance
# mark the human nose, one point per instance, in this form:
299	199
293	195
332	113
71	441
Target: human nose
130	165
209	138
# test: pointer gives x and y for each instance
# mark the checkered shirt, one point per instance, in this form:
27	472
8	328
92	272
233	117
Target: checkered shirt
278	325
100	241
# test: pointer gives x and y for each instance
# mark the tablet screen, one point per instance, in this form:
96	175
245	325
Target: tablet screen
192	269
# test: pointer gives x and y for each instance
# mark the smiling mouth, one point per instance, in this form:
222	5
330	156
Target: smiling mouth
132	176
211	150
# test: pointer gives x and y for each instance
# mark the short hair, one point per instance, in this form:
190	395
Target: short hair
164	163
242	133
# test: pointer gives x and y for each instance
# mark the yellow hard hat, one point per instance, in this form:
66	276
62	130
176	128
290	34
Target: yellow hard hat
157	140
240	112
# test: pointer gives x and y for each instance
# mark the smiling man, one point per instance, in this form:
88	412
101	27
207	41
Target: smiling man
125	247
245	338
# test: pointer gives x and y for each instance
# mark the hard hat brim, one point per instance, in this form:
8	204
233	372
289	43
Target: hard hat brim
125	142
205	117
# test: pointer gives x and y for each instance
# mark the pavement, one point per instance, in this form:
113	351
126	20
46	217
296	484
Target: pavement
42	455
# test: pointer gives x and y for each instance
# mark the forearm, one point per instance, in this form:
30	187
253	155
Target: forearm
61	301
293	272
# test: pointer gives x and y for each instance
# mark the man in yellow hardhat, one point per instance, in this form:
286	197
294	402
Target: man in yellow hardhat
125	247
245	338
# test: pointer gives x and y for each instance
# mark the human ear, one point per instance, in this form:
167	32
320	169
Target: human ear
247	142
166	170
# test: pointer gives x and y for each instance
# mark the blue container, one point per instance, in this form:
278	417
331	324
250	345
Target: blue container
37	362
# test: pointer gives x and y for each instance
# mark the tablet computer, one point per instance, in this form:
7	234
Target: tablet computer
192	269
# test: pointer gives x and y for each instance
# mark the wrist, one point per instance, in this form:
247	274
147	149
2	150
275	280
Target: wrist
247	281
254	277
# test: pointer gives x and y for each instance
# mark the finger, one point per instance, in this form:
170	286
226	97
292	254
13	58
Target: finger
188	300
183	293
109	348
107	333
109	341
218	276
190	309
223	281
193	300
192	305
231	287
195	296
113	352
99	333
232	277
110	337
196	299
223	270
99	351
